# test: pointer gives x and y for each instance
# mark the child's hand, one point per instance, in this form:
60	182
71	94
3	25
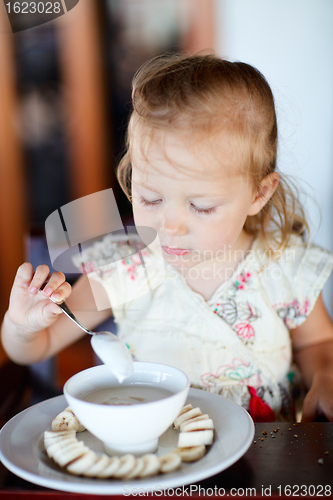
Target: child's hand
319	399
30	310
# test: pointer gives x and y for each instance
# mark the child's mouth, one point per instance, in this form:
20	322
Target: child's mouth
176	251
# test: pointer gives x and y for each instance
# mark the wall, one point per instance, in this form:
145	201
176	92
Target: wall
291	43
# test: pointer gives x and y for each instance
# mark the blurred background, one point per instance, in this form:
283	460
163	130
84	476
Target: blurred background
65	90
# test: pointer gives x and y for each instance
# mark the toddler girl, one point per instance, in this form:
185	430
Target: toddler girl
239	294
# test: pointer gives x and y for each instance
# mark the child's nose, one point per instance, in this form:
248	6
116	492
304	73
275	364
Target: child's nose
174	227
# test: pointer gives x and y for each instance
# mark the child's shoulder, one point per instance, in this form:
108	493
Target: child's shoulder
294	277
295	257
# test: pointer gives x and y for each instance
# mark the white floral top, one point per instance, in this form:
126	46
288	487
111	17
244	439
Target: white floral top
238	338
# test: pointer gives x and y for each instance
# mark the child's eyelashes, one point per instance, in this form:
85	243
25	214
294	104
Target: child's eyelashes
147	203
205	211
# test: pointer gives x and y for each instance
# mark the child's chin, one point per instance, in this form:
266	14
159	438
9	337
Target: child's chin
179	261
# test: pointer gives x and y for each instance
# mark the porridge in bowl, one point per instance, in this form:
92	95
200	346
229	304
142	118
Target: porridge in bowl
127	395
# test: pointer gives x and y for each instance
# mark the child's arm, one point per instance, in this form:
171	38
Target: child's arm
313	352
34	328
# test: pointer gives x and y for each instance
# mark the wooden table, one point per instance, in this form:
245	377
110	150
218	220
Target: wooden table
294	460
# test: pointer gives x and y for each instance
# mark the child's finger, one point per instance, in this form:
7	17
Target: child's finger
40	275
327	410
52	309
62	292
309	411
24	275
56	280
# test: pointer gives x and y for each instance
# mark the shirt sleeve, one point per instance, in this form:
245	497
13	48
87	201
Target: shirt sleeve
294	282
126	273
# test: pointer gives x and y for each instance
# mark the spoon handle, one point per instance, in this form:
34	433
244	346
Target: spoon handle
70	315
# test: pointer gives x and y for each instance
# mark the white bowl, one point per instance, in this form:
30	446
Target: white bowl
128	428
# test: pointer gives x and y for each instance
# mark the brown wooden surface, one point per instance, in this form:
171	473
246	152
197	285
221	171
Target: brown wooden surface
283	459
271	462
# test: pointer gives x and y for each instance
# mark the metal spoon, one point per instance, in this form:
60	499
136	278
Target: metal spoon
112	351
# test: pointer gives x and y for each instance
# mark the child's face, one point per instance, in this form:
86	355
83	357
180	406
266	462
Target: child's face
197	201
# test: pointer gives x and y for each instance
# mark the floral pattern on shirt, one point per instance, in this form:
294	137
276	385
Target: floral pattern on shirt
100	257
240	371
241	280
290	312
131	264
238	315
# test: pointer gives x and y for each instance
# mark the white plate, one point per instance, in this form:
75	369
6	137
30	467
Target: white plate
22	450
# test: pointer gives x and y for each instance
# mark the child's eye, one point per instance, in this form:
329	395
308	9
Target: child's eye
147	203
205	211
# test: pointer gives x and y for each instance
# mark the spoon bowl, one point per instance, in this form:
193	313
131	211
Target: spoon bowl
112	351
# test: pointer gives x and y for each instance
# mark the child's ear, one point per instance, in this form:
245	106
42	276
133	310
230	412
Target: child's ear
267	187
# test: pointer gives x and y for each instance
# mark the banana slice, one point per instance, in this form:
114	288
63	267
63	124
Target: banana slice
65	421
81	427
152	465
196	438
170	462
51	449
110	468
195	412
198	425
126	465
185	409
83	463
194	419
191	454
98	466
64	456
140	464
48	442
50	435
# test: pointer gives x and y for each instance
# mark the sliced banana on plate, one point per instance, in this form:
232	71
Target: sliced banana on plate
191	454
152	465
62	445
65	456
67	421
82	464
194	419
185	409
57	435
53	448
99	464
110	468
170	462
197	425
195	438
126	465
136	471
194	412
